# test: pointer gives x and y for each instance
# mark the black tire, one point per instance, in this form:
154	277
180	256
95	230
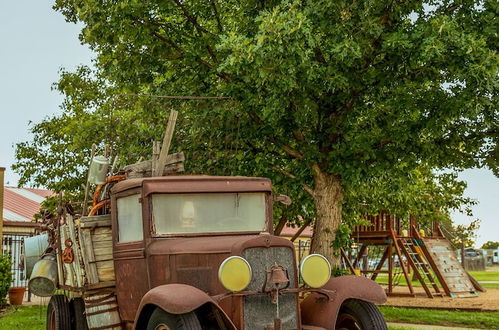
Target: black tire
360	315
58	313
78	318
161	320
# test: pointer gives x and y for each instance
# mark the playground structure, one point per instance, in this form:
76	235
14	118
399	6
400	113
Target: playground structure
391	249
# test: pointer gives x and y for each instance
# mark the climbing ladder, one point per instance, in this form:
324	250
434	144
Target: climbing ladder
422	269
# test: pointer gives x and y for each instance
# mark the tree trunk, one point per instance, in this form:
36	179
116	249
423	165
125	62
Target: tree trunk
328	197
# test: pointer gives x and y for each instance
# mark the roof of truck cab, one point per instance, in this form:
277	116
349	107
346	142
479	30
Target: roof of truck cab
194	183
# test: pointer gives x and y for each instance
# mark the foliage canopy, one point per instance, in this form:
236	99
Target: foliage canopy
351	107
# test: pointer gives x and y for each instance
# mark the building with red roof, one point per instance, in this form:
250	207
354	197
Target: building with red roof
19	208
18	222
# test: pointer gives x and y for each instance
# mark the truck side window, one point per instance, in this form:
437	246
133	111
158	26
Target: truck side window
129	219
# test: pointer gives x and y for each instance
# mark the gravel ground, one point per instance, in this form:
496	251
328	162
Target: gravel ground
486	301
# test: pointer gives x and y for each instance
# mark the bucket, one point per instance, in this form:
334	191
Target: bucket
98	170
43	280
16	295
34	248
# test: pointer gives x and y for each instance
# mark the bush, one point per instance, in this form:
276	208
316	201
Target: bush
5	278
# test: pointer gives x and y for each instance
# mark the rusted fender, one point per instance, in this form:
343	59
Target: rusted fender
175	299
318	311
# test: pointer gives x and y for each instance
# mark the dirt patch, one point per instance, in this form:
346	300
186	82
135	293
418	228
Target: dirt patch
486	301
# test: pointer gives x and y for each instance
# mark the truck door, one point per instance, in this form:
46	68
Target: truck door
129	252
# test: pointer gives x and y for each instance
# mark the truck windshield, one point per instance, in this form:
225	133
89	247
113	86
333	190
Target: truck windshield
208	212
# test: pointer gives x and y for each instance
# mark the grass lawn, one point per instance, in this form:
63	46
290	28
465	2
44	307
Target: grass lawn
23	317
33	317
479	276
485	276
483	320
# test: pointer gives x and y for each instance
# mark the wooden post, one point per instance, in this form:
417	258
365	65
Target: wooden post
2	171
167	139
390	267
156	149
462	254
87	185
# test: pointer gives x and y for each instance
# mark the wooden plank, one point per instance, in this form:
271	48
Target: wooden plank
105	269
146	165
102	231
76	264
380	265
168	169
156	149
84	256
390	267
89	252
347	260
101	285
106	245
103	256
69	274
95	221
167	139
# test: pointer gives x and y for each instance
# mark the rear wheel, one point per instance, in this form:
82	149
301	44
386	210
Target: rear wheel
161	320
78	319
359	315
58	313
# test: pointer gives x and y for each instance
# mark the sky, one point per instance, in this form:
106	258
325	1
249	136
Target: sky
36	42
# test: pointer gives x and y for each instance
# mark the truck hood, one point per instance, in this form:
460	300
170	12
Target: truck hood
233	244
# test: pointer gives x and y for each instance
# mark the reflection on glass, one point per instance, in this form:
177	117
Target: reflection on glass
202	213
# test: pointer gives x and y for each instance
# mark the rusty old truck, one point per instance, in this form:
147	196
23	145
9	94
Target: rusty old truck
192	252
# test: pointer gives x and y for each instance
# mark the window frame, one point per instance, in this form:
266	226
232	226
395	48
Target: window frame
268	215
114	202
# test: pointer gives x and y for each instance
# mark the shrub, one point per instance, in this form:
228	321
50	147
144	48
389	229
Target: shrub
5	278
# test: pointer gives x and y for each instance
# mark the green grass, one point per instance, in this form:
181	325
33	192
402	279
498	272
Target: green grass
479	276
482	320
485	276
33	317
23	317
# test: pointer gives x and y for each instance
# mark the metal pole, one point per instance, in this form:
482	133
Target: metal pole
2	171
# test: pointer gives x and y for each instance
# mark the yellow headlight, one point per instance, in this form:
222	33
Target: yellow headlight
315	270
235	273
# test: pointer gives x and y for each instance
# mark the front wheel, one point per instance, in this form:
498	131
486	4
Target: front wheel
161	320
359	315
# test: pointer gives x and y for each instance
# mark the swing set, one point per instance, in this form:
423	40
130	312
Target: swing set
394	251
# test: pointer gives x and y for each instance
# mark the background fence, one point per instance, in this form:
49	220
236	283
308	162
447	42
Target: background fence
13	246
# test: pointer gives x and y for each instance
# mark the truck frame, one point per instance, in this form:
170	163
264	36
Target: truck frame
152	252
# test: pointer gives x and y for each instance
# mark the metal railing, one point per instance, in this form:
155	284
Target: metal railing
13	246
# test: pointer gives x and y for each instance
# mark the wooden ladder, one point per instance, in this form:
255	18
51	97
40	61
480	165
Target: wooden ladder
412	251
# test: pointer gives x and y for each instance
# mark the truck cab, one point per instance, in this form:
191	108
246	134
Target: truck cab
179	230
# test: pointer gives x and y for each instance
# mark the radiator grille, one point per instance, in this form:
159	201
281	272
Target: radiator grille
259	312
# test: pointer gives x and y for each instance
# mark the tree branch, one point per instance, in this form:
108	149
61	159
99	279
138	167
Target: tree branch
286	148
170	42
217	16
190	18
306	187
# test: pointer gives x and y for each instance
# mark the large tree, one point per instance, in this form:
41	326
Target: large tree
350	100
